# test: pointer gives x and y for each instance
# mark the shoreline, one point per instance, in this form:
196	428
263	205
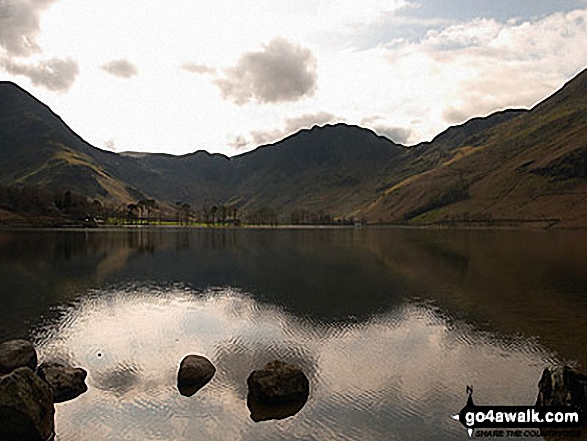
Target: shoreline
509	225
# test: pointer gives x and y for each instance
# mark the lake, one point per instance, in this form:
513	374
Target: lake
389	324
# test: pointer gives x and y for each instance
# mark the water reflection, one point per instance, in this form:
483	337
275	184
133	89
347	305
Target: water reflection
388	324
396	376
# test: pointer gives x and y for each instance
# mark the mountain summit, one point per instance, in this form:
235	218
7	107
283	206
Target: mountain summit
514	165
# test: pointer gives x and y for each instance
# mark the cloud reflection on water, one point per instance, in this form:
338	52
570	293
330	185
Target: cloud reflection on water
395	376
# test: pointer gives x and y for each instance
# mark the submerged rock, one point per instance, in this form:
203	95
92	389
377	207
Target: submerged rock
67	382
26	407
562	387
194	373
15	354
277	391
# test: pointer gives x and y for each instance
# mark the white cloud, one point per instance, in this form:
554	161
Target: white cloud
481	66
120	68
54	74
19	25
399	135
198	68
337	13
292	125
282	71
413	68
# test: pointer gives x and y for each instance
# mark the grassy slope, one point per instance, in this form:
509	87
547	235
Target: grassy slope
512	164
37	148
530	167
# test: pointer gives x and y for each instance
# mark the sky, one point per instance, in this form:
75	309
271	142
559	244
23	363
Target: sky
229	75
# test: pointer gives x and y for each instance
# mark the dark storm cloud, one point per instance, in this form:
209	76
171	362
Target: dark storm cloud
281	71
120	68
198	68
54	74
19	25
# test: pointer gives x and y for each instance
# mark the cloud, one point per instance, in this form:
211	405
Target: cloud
120	68
341	13
481	66
19	25
308	120
292	125
110	145
281	71
54	74
260	137
452	115
240	142
399	135
198	68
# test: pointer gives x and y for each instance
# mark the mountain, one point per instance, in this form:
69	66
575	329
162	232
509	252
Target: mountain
529	167
512	165
38	148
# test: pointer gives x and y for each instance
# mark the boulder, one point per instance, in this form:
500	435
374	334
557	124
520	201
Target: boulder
67	382
194	373
26	407
264	412
15	354
278	383
562	387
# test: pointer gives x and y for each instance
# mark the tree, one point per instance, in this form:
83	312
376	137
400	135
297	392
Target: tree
132	212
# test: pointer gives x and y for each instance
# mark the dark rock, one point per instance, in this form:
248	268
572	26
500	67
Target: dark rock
67	382
563	387
277	391
194	373
15	354
26	407
264	412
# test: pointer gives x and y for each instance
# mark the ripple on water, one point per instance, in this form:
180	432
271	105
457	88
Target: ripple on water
397	375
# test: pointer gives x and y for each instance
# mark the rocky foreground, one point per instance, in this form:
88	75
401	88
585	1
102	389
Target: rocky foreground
279	390
28	392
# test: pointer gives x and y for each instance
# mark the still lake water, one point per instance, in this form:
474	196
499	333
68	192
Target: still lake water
389	324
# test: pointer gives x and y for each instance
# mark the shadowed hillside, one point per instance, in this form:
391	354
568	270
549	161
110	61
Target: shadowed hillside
531	167
514	165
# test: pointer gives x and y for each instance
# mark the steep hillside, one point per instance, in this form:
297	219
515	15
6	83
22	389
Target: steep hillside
514	165
333	169
37	148
531	167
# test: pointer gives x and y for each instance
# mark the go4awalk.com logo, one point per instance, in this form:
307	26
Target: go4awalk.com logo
519	421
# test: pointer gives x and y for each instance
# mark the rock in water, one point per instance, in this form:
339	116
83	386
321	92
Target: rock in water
562	387
26	407
277	391
278	382
15	354
66	382
194	373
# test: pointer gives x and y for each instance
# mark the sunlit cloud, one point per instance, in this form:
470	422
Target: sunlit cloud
20	25
420	65
292	125
54	74
281	71
120	68
198	68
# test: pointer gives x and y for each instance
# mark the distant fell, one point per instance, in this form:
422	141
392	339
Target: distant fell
516	166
